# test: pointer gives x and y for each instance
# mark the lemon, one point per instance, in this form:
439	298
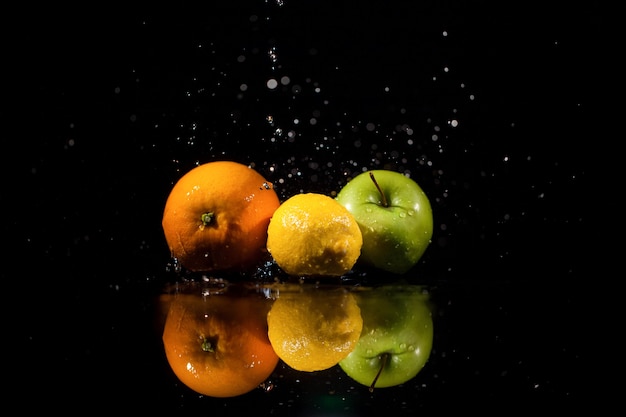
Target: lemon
313	330
313	234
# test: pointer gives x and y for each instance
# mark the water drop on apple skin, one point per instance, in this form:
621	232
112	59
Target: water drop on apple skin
402	215
403	346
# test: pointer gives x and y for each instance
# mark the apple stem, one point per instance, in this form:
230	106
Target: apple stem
384	359
383	199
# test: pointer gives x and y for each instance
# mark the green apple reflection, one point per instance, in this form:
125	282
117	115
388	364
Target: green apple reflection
397	336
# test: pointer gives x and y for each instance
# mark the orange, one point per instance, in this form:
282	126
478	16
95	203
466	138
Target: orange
216	217
313	234
217	345
312	330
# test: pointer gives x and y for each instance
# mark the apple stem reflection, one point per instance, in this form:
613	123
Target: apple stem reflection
383	199
384	359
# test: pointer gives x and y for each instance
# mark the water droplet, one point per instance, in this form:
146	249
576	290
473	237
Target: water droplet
267	386
402	346
272	54
174	266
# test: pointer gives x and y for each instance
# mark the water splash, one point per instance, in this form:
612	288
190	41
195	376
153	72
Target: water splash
273	56
267	386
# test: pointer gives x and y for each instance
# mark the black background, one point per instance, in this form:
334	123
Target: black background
115	102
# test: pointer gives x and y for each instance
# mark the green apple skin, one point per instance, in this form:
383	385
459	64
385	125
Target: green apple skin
397	320
394	237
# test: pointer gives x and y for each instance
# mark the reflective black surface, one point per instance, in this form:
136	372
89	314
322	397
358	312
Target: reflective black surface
484	105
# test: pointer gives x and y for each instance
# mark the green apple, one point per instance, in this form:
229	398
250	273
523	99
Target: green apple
396	339
395	218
